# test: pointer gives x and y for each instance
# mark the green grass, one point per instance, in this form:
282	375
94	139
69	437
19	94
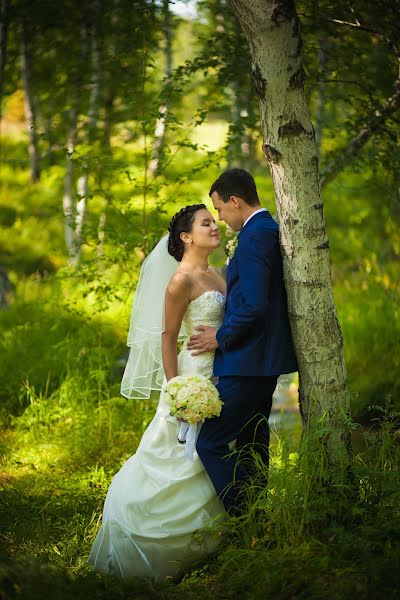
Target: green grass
301	540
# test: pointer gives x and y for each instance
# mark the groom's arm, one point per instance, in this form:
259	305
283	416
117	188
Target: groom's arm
256	258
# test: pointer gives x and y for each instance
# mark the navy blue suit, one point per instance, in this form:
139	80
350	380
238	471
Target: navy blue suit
255	347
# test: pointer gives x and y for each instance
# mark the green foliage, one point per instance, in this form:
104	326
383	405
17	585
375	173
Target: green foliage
365	268
45	349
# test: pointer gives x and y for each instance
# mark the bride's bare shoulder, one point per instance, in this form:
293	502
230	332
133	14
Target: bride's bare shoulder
180	284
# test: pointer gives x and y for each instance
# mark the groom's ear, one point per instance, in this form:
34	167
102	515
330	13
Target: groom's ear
236	201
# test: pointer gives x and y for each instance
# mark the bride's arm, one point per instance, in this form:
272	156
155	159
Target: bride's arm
177	298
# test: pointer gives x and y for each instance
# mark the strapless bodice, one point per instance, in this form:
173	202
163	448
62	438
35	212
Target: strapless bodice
207	309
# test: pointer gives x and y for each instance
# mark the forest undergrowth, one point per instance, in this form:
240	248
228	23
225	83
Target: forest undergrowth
298	538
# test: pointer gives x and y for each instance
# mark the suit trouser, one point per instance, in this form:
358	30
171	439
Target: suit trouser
244	417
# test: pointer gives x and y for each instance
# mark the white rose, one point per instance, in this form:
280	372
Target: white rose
183	393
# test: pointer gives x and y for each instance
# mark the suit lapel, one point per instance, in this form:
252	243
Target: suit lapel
231	266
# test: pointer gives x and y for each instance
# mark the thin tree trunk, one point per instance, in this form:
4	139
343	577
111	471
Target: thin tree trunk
68	197
29	103
106	146
160	130
69	192
6	287
272	29
4	8
237	149
101	232
83	181
235	130
248	145
4	13
107	126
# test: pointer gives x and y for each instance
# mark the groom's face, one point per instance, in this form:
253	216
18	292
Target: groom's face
229	211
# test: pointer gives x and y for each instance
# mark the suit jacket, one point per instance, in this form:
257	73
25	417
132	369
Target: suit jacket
254	338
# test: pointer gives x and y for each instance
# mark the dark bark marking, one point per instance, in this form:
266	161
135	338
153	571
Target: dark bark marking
315	232
318	206
292	129
323	246
297	79
298	49
314	162
290	222
272	154
284	10
296	27
311	284
260	84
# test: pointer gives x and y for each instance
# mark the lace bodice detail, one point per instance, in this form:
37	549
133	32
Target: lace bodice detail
207	309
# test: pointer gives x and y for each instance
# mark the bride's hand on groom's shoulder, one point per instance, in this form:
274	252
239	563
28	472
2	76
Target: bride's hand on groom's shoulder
203	341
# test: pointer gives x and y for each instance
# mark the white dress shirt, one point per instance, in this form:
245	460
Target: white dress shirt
253	214
246	221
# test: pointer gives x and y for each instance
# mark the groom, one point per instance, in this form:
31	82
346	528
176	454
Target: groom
253	345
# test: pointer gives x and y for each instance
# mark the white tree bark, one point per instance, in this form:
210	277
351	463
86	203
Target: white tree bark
68	197
160	129
273	31
4	16
83	181
29	103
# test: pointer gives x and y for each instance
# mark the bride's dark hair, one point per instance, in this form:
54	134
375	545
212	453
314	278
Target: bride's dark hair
181	222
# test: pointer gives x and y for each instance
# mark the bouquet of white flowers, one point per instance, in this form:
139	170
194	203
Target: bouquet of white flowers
192	398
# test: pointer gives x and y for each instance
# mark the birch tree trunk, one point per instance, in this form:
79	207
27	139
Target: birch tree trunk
106	151
160	129
29	103
83	181
273	32
68	197
4	15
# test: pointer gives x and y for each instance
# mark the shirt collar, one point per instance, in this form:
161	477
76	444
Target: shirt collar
253	214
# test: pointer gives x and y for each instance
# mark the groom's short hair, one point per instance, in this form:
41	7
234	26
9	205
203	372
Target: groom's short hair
236	182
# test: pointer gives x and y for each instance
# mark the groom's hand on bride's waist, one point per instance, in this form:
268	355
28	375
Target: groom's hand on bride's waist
203	341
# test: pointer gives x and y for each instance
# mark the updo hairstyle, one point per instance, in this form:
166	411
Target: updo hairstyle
181	222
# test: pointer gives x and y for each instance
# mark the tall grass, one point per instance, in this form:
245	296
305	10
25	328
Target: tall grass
300	538
297	538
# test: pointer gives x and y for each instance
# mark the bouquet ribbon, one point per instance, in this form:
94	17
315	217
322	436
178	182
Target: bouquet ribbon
189	434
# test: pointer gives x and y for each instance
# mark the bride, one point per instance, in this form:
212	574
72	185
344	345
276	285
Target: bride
161	497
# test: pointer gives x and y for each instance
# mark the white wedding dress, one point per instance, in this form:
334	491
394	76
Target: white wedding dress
160	498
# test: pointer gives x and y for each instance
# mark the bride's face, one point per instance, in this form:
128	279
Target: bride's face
204	232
